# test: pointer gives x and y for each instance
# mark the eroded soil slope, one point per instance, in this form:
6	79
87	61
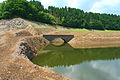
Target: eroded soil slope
19	42
16	46
93	39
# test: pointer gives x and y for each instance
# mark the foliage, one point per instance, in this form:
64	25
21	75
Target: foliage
76	18
32	10
67	17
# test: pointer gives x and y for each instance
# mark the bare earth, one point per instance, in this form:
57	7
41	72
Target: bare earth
93	39
19	67
17	47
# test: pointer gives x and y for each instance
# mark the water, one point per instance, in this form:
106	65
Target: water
81	64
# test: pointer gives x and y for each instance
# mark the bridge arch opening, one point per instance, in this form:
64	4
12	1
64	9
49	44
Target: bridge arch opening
57	42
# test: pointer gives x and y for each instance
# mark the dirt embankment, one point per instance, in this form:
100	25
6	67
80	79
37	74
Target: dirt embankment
21	43
93	39
17	47
10	24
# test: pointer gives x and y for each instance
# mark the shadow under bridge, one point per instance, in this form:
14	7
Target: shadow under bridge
66	38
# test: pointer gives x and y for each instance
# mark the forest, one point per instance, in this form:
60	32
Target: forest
65	16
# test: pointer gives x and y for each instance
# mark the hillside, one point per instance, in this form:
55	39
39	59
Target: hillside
21	40
65	16
19	43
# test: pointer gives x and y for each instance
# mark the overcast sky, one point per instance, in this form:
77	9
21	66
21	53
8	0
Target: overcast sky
98	6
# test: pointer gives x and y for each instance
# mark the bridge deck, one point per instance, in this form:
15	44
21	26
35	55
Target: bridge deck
66	38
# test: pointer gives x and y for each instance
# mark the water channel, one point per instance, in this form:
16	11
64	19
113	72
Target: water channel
81	64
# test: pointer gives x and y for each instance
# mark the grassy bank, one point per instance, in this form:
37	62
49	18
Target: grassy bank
43	25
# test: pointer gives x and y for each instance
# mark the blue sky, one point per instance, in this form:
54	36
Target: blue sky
97	6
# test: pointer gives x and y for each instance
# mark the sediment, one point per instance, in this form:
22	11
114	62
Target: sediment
93	39
17	48
10	24
20	42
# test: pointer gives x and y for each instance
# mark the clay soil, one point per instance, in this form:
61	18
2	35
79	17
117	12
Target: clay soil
19	67
14	67
93	39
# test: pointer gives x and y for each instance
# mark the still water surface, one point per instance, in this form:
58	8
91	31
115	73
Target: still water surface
81	64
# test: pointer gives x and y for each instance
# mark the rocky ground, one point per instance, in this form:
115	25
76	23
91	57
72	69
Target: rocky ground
17	47
19	43
10	24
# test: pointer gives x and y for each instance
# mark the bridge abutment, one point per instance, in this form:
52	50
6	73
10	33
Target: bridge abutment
66	38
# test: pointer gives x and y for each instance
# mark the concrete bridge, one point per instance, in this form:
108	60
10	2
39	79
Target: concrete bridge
66	38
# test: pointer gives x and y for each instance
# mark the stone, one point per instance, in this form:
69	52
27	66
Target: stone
23	33
25	50
10	24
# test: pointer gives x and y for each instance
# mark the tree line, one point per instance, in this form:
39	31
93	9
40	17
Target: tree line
65	16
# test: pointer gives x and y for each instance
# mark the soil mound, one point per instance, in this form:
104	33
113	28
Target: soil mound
22	33
16	23
16	50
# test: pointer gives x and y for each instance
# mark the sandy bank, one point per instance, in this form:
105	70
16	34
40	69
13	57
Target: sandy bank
17	47
93	39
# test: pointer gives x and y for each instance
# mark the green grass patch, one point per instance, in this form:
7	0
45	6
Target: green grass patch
86	30
60	28
77	30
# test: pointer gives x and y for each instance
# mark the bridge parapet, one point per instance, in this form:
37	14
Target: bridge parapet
66	38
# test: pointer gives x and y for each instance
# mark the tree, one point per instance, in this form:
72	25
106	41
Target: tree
65	16
14	8
46	18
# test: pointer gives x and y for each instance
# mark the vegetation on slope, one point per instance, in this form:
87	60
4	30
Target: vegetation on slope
68	17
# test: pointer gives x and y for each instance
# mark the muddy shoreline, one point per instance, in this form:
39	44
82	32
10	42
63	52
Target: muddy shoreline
16	51
19	46
93	39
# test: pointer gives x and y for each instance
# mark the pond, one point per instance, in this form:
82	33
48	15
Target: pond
81	64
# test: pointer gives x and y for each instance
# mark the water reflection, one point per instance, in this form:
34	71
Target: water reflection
94	70
81	64
66	55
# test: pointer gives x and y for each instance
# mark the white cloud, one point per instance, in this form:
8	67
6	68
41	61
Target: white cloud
47	3
2	0
105	6
73	3
81	4
98	6
93	70
59	3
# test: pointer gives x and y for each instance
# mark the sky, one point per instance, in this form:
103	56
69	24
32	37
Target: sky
96	6
91	70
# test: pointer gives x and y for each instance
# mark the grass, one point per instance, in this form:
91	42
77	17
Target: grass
60	28
86	30
78	30
111	31
40	25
